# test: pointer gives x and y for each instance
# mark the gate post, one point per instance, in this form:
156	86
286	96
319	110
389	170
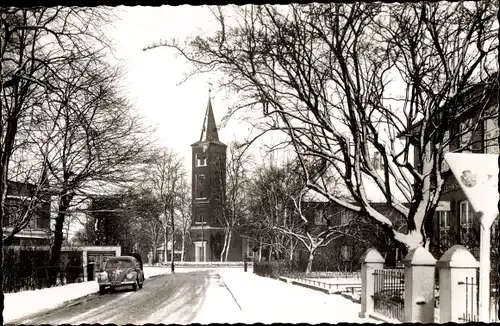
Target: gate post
370	261
419	294
455	266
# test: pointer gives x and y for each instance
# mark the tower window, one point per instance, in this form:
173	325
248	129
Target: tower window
200	220
201	159
200	185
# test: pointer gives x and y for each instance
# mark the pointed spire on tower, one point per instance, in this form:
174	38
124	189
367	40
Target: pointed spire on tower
209	130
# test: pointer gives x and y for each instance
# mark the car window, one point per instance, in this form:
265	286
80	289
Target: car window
119	263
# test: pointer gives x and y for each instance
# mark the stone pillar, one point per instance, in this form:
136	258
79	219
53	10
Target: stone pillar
85	262
370	261
455	265
419	286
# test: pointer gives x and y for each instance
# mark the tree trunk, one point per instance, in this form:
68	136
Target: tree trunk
310	261
291	249
165	245
228	244
155	253
260	250
224	246
172	252
270	253
55	252
183	245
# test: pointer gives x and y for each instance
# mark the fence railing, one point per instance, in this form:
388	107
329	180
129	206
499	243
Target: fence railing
340	287
471	288
389	293
340	275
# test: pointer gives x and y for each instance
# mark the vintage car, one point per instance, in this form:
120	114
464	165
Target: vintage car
121	271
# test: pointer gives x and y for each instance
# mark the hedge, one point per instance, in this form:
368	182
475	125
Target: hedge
26	269
287	268
276	268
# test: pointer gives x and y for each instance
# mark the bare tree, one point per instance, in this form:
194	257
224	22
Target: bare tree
343	81
271	207
183	217
89	138
146	209
33	43
167	177
235	207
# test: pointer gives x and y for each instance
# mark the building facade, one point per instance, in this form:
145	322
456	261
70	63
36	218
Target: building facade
455	221
208	196
37	231
344	252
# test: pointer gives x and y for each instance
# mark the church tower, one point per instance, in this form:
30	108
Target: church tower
208	191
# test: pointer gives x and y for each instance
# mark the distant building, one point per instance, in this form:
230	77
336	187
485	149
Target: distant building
37	232
208	195
344	252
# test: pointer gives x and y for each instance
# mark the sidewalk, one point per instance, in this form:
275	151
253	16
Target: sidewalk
265	300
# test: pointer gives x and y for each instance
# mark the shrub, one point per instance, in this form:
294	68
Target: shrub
275	269
26	268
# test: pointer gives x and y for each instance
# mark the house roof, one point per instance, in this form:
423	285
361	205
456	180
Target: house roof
469	100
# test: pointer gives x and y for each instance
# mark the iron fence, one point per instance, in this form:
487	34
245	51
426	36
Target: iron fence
389	293
338	287
471	288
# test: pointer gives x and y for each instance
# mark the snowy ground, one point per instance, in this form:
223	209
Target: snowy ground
265	300
258	299
17	305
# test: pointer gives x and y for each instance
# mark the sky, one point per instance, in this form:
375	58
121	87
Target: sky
152	77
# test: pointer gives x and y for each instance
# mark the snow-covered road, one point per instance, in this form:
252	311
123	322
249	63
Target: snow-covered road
180	298
224	295
25	303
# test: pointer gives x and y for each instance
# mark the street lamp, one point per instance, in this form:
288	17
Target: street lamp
171	203
202	240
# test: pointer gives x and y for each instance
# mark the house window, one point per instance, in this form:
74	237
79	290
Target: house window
444	222
200	185
200	220
249	252
465	216
346	253
318	217
200	252
464	139
345	217
201	159
491	132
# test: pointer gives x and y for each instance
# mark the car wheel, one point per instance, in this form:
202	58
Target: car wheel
102	289
136	284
